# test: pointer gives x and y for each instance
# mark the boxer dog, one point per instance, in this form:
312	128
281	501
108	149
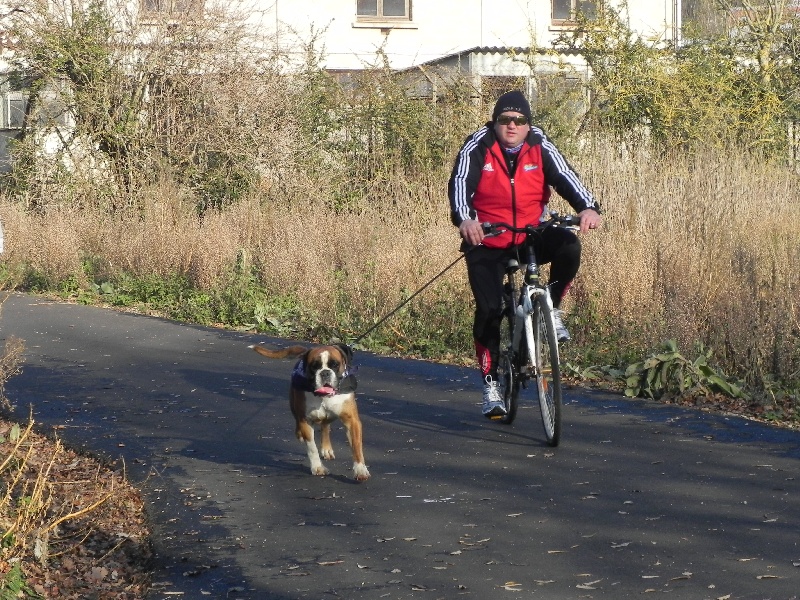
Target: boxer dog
323	372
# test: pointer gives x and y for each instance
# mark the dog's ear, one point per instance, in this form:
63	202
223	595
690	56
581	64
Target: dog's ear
346	351
305	360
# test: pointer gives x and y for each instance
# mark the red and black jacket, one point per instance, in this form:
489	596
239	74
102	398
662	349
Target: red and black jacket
481	187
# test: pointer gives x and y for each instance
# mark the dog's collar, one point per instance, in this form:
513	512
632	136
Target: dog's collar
347	382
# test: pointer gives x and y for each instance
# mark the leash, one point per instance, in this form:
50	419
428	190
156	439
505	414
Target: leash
409	299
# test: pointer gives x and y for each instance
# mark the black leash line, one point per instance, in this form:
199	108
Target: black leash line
409	299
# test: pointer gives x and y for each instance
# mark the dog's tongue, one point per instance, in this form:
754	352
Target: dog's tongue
325	390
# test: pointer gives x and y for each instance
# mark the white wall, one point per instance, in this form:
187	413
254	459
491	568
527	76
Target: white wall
438	28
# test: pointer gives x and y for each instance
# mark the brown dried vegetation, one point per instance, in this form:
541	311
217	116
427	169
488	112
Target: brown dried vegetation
75	528
70	526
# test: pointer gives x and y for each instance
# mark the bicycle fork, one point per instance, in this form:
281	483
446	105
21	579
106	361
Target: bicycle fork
524	310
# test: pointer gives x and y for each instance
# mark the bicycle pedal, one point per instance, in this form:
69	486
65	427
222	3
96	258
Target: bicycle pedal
496	417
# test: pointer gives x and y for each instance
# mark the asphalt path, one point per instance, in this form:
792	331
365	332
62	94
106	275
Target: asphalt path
639	498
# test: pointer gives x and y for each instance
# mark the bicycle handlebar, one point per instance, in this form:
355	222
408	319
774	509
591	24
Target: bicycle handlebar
554	220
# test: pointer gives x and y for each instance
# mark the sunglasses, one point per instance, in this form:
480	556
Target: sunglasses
508	119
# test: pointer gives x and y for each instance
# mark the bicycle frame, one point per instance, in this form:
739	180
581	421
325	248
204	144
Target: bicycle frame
530	351
524	307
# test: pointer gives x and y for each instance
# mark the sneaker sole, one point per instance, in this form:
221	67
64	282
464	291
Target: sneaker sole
495	413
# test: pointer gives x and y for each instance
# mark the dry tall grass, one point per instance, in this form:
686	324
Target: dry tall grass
699	249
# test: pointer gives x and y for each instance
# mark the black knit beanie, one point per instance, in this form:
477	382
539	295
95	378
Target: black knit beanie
512	101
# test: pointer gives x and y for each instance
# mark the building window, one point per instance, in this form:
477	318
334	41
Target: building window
567	10
12	112
383	10
172	7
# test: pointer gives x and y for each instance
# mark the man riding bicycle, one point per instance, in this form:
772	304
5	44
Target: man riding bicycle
504	173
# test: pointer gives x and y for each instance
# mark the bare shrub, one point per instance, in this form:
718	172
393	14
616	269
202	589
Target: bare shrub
121	103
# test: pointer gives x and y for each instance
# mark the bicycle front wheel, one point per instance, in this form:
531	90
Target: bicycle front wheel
542	346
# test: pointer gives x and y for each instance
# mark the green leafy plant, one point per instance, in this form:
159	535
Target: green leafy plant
712	90
13	585
670	373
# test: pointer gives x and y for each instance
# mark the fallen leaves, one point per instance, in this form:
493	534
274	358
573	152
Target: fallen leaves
511	586
589	585
85	559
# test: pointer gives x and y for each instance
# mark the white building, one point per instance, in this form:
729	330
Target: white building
414	32
473	37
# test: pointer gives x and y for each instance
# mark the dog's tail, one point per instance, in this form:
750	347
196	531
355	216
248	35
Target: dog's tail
292	351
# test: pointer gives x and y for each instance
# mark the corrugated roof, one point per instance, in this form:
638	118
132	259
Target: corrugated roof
478	50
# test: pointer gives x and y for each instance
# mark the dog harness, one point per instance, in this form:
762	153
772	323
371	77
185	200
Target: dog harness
347	382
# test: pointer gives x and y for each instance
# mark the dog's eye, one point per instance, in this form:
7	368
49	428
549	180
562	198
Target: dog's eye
333	364
315	365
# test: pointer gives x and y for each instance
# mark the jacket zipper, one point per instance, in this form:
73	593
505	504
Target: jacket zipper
513	210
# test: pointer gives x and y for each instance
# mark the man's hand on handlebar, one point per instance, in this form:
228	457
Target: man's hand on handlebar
472	232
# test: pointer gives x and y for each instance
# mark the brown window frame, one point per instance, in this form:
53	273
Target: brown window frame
381	18
575	7
172	8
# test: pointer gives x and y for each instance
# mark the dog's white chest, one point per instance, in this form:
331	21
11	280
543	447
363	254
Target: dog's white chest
329	407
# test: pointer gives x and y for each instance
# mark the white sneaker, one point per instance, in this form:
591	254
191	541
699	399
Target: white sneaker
562	335
493	405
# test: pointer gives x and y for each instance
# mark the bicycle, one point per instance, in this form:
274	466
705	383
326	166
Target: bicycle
528	342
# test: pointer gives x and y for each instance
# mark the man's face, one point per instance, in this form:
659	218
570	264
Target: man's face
509	133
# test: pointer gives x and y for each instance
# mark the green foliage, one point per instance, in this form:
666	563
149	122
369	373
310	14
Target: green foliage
371	131
602	338
13	585
223	179
13	434
705	92
34	281
240	300
559	108
236	300
158	292
669	373
79	49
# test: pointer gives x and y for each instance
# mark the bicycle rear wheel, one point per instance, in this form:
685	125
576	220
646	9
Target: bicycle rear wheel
506	373
542	344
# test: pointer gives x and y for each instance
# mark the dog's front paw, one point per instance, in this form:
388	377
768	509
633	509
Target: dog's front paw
327	453
320	471
360	471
